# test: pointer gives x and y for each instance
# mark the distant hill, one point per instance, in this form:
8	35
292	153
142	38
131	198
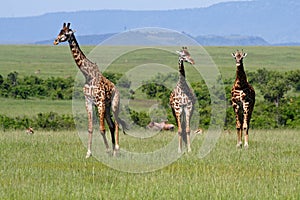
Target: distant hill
83	40
276	21
233	40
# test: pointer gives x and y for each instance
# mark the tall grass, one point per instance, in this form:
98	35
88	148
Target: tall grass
51	165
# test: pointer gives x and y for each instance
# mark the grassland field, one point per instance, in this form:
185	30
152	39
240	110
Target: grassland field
56	61
52	165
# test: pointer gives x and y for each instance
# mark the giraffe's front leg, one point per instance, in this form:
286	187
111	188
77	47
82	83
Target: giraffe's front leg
89	108
238	125
179	133
246	123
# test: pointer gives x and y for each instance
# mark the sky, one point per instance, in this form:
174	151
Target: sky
22	8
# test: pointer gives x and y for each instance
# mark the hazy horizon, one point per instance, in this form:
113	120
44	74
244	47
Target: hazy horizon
28	8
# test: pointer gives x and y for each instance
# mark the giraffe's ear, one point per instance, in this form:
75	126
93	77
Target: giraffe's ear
244	55
233	55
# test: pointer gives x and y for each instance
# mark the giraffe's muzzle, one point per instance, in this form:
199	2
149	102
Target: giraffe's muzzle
56	42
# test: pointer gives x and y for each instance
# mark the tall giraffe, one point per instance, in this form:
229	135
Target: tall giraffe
182	100
98	91
242	98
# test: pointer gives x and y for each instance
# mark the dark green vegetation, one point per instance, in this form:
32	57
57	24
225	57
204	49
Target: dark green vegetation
51	165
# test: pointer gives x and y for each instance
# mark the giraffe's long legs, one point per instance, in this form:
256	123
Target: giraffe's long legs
245	124
247	117
111	126
188	113
239	137
115	110
238	125
102	111
178	119
89	108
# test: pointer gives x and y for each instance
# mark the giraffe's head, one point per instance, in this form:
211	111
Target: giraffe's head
185	56
239	56
64	34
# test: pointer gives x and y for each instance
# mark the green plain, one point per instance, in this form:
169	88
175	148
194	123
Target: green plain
52	165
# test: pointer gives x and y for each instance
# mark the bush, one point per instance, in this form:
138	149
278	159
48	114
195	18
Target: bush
46	121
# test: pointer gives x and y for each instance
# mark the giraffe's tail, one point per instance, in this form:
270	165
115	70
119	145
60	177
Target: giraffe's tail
123	124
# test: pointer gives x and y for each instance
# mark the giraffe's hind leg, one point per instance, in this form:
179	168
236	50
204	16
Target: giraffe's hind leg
188	115
102	113
115	110
111	127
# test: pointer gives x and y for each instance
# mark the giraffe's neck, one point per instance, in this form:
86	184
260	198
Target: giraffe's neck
241	78
88	68
181	70
182	84
77	54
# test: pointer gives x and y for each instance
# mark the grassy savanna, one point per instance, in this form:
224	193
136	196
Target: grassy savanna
26	60
51	165
33	106
57	60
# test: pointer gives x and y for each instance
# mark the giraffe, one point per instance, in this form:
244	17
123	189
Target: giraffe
182	100
242	99
98	91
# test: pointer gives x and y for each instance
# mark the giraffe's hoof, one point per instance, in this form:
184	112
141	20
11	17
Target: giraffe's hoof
189	149
115	153
246	145
179	150
239	145
88	154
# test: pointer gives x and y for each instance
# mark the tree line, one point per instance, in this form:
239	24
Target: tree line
32	86
277	103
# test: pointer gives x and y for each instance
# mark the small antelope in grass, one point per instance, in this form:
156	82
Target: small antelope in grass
98	91
160	126
182	100
242	99
29	131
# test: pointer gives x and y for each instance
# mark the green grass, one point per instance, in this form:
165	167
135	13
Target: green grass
57	60
17	107
51	165
27	59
